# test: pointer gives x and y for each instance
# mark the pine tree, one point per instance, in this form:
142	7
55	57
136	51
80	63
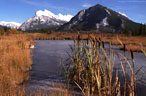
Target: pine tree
126	30
144	29
140	29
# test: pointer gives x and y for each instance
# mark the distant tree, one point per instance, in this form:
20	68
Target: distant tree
135	32
140	29
6	28
144	30
50	31
126	30
43	30
2	31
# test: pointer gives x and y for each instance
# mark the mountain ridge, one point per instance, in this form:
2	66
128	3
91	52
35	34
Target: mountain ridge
99	18
45	19
14	25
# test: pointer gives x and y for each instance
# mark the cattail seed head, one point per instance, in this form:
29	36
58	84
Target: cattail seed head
132	55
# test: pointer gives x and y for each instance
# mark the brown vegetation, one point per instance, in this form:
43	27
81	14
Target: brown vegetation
15	62
132	42
13	31
93	70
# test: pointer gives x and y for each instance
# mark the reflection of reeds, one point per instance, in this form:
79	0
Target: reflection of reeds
92	70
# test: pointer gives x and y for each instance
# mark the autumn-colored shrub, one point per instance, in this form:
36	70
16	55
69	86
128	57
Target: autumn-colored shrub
13	31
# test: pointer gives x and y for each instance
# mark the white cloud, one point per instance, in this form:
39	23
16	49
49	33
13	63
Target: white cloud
132	1
86	5
64	17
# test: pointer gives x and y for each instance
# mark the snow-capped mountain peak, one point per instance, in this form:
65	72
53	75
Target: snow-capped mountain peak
44	19
45	13
52	15
15	25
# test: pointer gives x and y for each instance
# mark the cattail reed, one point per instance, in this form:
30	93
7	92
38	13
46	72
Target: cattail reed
78	37
88	38
92	70
102	44
132	55
124	47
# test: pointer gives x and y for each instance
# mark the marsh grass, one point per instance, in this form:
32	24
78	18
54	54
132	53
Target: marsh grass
15	62
131	42
94	70
15	66
91	68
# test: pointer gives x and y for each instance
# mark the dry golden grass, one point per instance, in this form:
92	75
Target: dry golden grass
132	43
15	62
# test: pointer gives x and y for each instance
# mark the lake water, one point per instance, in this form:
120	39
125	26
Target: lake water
47	58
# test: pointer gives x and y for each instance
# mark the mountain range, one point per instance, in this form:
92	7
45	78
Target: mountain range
10	24
45	20
97	17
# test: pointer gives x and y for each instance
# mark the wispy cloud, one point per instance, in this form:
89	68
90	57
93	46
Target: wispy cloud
86	5
132	1
45	4
141	16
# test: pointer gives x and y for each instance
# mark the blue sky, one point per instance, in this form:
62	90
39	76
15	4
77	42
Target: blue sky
21	10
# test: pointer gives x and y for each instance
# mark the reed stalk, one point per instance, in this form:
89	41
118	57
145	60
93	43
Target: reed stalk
93	69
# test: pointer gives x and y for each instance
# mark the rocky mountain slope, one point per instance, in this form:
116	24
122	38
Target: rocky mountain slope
99	18
45	19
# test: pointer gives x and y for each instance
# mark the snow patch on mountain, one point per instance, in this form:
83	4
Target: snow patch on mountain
15	25
81	15
123	14
44	13
104	22
97	26
108	11
52	15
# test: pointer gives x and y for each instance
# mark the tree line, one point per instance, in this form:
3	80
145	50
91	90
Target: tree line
140	30
7	31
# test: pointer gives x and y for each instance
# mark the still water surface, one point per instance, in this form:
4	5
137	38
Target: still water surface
48	57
